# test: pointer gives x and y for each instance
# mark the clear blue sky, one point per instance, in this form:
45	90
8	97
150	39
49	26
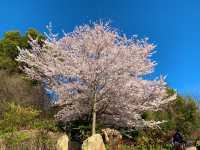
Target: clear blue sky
173	25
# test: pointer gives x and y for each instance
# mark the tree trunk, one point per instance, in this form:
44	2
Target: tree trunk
94	116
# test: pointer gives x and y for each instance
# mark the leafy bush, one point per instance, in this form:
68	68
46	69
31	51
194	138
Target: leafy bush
17	117
29	140
46	124
23	128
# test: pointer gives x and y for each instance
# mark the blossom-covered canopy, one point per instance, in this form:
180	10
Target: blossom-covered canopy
106	65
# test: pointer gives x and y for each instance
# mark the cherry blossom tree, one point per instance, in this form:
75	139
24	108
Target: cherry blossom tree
104	73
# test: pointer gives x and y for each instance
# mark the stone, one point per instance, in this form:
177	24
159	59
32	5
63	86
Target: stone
113	138
2	145
191	148
62	143
198	143
94	142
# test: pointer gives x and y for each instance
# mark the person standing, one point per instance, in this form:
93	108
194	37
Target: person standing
177	140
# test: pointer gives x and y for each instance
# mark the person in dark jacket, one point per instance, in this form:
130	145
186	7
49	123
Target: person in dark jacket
177	140
177	137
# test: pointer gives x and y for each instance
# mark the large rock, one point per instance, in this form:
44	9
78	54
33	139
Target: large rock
62	143
113	138
94	142
191	148
2	145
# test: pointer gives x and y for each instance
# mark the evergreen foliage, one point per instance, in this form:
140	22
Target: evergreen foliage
8	47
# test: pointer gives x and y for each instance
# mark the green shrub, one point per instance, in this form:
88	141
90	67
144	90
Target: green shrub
46	124
15	138
34	140
17	117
